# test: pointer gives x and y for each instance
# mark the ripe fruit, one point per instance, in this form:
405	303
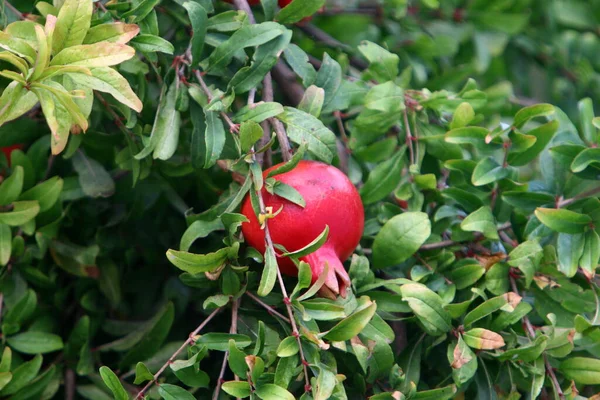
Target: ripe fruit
331	200
284	3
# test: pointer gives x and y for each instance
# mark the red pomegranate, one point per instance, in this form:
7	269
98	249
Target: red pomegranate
331	200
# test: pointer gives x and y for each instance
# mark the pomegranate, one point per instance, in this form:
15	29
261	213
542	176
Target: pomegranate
331	200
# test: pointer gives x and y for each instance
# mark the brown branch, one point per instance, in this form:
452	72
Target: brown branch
220	378
232	126
329	41
286	79
14	10
568	202
191	339
531	335
282	137
267	307
69	384
450	243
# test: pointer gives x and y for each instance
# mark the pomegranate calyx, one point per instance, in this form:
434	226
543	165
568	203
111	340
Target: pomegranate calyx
337	280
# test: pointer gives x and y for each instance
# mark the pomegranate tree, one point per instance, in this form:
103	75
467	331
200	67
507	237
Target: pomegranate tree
331	200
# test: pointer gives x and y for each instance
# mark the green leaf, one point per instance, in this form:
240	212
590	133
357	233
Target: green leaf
22	212
312	101
247	36
586	158
585	371
311	247
466	275
427	306
288	347
482	221
17	46
564	221
463	115
94	180
146	43
269	275
113	383
5	244
297	10
197	263
384	178
198	230
220	341
535	111
269	391
198	18
258	112
298	60
528	352
32	342
214	138
5	378
142	374
22	376
527	201
289	193
445	393
507	302
172	392
250	133
239	389
488	171
400	238
591	253
474	135
569	249
383	65
140	11
543	135
289	165
304	128
237	360
46	193
353	325
72	24
11	187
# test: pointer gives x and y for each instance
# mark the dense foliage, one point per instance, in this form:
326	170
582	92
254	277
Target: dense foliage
142	125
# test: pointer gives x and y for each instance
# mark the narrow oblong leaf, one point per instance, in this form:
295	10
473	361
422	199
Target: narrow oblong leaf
113	383
72	24
103	54
427	306
563	221
197	263
353	325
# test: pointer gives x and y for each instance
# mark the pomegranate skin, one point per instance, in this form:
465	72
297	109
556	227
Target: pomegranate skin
331	200
9	149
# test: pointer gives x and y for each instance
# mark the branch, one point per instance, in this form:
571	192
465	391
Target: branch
189	341
232	127
282	137
531	335
232	330
14	10
329	41
267	307
568	202
450	243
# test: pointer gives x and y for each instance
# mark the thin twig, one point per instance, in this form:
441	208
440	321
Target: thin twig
14	10
531	334
191	339
69	384
450	243
568	202
49	167
329	41
267	307
232	126
282	137
220	379
409	138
